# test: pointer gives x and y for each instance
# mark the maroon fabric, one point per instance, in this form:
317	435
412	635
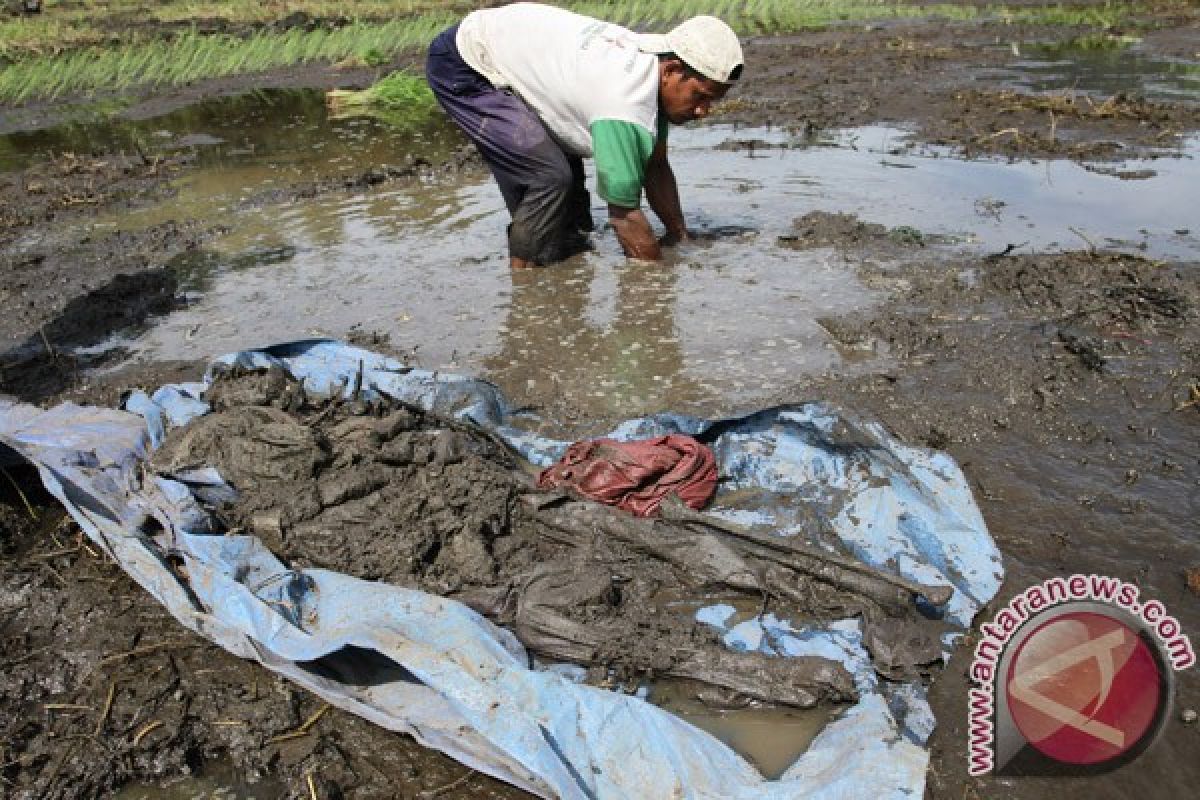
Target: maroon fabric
637	476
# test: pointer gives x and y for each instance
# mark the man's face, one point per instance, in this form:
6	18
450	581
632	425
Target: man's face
684	95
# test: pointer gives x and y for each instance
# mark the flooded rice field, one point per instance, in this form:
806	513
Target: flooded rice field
917	254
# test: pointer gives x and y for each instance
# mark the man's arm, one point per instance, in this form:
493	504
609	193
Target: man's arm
662	193
624	153
634	233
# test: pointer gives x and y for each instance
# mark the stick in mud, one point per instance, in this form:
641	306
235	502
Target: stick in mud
303	729
674	509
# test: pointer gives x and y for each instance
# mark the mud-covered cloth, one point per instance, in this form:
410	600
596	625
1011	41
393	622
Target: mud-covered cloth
543	187
637	476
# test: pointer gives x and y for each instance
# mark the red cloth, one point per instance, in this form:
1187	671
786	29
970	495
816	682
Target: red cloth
637	476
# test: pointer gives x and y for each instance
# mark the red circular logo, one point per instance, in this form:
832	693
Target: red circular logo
1084	688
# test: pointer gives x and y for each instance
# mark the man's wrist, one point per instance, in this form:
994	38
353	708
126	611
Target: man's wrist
676	232
634	233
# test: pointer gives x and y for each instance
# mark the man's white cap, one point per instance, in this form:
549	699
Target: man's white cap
706	44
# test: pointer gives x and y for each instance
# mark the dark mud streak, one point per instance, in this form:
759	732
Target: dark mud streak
46	363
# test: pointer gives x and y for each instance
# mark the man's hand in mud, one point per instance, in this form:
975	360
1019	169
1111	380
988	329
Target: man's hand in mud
672	238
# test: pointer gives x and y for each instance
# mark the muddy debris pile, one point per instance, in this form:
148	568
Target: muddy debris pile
1103	288
385	491
831	229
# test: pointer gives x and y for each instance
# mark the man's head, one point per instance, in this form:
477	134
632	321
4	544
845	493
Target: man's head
698	62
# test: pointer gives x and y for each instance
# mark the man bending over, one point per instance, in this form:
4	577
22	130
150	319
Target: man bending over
537	89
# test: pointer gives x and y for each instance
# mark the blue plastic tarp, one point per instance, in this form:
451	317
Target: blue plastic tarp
462	685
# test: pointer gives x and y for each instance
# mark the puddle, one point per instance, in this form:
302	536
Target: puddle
770	739
219	781
721	328
286	133
725	325
1103	66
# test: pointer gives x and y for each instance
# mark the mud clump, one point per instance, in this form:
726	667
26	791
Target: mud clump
372	490
827	229
1070	124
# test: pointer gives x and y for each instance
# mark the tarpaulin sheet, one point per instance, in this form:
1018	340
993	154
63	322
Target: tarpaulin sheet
460	684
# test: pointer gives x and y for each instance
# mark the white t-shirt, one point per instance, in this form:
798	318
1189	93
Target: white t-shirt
572	70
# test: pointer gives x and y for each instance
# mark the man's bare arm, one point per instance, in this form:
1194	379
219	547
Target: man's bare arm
634	233
662	193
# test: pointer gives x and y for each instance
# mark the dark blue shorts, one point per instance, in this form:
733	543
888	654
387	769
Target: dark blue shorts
542	185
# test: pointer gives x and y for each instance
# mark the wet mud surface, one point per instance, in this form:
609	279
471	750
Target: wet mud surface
1065	383
66	287
912	73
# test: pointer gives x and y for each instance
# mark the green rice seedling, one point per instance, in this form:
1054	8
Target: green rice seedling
29	37
238	13
780	16
193	56
401	99
373	58
756	16
1092	43
397	91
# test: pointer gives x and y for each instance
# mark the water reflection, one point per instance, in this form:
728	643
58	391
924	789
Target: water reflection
287	131
557	340
310	250
1104	65
726	325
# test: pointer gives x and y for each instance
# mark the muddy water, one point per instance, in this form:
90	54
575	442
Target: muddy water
288	134
726	322
771	739
218	781
1103	66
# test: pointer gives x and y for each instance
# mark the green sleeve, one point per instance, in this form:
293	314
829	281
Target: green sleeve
621	150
